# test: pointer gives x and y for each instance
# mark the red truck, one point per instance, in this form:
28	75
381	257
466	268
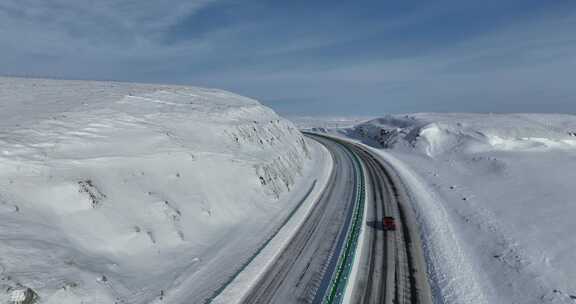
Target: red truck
389	223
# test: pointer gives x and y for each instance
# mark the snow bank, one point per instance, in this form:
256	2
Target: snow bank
494	194
118	192
436	134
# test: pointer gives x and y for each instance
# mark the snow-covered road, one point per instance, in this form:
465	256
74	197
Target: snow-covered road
389	268
302	272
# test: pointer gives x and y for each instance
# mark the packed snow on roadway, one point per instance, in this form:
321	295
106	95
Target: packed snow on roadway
133	193
495	197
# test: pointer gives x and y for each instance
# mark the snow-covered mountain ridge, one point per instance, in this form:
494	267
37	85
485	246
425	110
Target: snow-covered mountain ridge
118	191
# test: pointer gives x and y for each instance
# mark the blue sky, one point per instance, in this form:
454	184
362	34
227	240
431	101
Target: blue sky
311	57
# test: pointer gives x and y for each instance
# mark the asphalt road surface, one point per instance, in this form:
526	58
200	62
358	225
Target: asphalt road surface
302	272
391	268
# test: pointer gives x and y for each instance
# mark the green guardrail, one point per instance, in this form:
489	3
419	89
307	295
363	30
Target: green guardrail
340	279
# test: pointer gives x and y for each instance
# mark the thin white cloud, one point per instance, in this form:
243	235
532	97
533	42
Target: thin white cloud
527	45
102	23
524	67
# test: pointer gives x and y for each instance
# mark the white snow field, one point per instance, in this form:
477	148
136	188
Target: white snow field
133	193
495	197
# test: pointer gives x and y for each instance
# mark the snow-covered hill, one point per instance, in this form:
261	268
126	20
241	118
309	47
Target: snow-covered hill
496	200
121	193
437	134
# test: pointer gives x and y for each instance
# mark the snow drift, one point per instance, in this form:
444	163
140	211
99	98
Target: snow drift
118	192
495	198
436	134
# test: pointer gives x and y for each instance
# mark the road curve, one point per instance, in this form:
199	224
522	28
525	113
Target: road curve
303	270
391	268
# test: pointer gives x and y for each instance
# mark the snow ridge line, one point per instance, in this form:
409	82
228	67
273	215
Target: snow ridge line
261	247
